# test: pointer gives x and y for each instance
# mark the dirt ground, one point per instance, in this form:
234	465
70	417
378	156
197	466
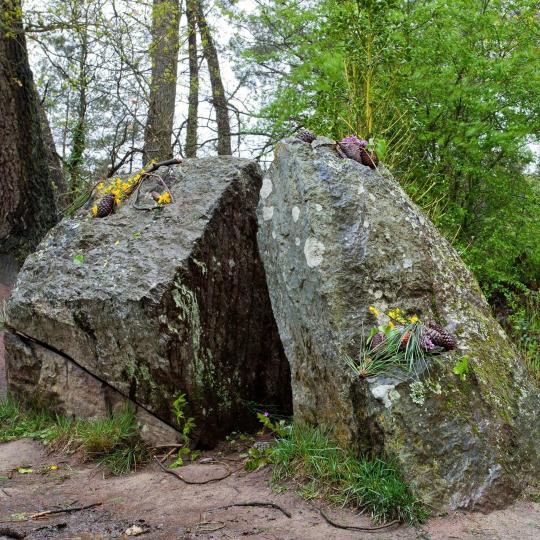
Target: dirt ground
166	508
163	507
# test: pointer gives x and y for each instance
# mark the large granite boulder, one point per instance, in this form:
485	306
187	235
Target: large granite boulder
335	238
146	304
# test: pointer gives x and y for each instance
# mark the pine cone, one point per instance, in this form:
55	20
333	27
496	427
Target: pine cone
377	339
306	135
404	340
440	337
353	147
351	150
370	159
106	206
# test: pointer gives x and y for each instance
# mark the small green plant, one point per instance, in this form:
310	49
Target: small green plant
186	425
461	369
258	457
279	427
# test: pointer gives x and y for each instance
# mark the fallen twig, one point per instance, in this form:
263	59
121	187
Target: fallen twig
195	482
201	527
256	503
355	527
39	515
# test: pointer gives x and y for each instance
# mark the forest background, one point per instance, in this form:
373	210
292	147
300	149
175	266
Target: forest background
447	92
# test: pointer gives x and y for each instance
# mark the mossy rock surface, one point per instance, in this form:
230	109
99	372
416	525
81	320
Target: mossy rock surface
335	238
160	302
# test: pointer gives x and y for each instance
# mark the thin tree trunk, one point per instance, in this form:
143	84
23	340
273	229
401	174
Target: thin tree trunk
218	91
164	56
193	100
27	201
78	142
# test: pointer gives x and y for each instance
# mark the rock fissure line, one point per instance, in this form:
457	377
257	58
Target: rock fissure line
26	337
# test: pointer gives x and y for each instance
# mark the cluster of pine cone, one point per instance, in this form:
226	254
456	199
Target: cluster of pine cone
351	147
433	336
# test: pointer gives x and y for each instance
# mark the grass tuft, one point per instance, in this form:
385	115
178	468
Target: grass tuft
113	441
327	471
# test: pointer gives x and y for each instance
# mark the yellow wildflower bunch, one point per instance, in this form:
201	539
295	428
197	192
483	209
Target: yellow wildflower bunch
164	198
121	189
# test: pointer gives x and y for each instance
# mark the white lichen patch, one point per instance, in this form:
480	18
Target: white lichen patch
378	294
274	235
361	189
314	252
268	212
318	207
295	213
266	188
407	263
366	224
297	241
418	392
386	393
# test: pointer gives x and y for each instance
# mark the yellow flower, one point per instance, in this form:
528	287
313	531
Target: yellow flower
164	198
94	210
118	182
391	325
374	310
100	186
117	200
395	314
413	319
125	186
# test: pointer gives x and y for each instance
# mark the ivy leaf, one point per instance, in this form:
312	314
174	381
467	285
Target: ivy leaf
78	259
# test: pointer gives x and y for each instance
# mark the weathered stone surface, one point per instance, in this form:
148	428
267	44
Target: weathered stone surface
335	238
164	301
60	384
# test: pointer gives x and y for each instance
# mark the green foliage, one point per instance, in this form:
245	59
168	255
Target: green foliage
523	324
278	427
186	425
461	369
113	441
327	471
452	87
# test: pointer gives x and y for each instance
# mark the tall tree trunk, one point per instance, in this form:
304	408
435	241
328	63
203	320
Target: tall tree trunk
193	100
164	55
218	91
27	199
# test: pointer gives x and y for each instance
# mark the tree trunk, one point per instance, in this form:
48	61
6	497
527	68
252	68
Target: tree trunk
193	100
27	195
78	140
164	56
218	91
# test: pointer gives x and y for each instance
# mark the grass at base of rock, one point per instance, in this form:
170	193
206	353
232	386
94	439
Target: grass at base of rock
326	471
113	441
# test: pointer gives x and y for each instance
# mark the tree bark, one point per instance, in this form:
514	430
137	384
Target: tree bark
27	193
164	56
218	91
193	99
